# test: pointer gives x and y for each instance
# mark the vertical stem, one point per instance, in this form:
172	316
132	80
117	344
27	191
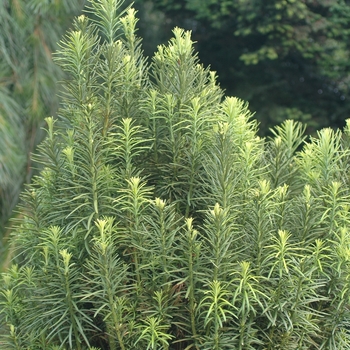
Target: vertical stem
71	313
164	249
216	329
116	323
136	264
13	337
93	165
191	253
69	302
108	103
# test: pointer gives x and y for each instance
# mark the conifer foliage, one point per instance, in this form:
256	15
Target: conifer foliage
29	32
162	221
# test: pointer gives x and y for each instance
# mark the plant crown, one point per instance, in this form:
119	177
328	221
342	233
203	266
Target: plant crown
161	220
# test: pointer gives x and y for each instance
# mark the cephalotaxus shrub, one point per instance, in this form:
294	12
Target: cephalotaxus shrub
161	221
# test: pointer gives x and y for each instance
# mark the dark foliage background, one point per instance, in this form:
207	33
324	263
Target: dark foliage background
289	59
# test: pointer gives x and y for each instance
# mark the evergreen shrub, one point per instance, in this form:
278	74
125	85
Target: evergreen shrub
162	221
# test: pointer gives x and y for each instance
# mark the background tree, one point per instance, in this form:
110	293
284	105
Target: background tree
289	59
29	33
